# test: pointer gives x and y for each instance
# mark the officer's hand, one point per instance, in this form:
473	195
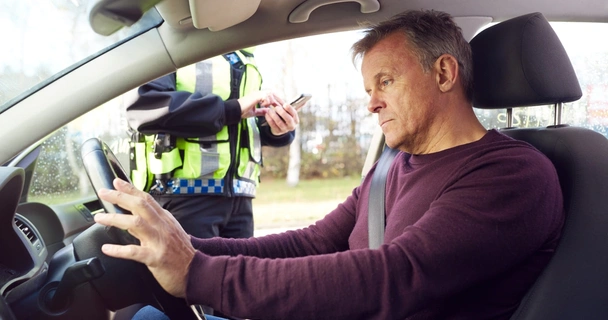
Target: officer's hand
265	99
164	246
282	119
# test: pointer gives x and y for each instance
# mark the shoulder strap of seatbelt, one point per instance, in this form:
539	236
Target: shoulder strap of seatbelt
376	212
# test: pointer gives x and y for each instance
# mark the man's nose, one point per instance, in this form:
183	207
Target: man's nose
375	103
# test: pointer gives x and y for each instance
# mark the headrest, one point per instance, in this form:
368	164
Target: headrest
521	62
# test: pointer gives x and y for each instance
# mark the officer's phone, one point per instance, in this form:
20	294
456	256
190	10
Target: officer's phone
300	101
297	103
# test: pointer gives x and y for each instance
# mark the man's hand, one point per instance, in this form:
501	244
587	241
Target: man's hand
282	119
280	116
265	99
164	248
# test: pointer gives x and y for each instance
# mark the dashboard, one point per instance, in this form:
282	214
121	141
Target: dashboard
23	252
39	267
52	267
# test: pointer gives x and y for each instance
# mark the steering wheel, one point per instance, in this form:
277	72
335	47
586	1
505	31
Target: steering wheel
102	166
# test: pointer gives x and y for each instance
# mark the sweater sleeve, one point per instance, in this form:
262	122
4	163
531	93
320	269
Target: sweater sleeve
327	235
338	285
160	108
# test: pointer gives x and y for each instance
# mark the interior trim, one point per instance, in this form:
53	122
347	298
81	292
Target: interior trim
302	12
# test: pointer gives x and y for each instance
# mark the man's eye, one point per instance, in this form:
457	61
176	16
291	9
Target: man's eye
386	83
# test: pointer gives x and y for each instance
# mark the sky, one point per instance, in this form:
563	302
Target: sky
319	61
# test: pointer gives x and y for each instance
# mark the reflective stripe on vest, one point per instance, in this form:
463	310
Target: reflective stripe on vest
193	186
140	176
205	160
196	186
250	156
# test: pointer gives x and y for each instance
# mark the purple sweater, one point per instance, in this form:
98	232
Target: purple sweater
468	230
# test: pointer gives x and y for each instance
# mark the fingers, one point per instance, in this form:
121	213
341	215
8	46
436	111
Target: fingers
147	201
282	119
135	225
260	112
289	109
130	252
270	98
265	99
164	246
130	198
126	187
280	116
121	221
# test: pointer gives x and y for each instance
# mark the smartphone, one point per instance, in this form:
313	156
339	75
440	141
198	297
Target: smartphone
300	101
297	103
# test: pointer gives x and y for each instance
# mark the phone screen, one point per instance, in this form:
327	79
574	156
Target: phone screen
300	101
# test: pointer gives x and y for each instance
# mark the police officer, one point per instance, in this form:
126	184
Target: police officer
196	145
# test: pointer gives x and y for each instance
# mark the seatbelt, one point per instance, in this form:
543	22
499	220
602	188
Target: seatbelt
376	210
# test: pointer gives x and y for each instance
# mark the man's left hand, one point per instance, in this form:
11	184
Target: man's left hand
282	119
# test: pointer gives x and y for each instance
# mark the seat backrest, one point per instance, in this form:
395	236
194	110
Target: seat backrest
521	62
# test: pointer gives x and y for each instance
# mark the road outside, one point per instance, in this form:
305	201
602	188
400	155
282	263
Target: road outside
278	217
279	207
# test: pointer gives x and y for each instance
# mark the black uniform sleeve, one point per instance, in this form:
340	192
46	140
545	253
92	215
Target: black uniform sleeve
160	108
268	139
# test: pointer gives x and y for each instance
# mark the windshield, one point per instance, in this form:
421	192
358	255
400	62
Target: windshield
45	39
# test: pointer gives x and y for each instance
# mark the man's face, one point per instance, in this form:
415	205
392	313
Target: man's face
403	95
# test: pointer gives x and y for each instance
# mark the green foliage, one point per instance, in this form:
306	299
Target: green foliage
330	146
275	162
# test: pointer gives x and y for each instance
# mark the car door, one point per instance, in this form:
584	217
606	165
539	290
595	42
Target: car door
57	196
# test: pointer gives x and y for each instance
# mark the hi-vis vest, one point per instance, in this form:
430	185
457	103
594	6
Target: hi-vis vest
226	163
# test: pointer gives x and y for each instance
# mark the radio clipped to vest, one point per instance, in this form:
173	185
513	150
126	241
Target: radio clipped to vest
138	165
163	144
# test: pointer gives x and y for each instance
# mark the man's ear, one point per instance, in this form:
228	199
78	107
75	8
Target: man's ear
446	67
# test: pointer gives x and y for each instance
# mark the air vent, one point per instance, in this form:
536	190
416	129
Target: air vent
27	230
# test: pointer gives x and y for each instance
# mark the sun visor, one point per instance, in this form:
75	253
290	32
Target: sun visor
208	13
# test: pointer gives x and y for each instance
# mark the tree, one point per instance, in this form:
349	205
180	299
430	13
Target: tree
293	169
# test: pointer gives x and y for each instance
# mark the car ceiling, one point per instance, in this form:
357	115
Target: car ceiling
176	44
270	22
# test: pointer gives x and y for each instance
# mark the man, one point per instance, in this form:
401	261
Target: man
197	145
472	216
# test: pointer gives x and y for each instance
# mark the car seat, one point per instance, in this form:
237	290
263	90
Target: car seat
521	62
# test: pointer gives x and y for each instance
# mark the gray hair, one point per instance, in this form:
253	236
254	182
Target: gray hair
431	33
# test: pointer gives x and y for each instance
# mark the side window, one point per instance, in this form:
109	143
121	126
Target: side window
589	59
59	175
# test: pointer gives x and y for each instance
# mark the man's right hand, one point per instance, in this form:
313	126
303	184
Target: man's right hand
164	248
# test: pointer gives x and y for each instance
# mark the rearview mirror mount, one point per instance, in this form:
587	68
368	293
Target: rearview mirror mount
109	16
